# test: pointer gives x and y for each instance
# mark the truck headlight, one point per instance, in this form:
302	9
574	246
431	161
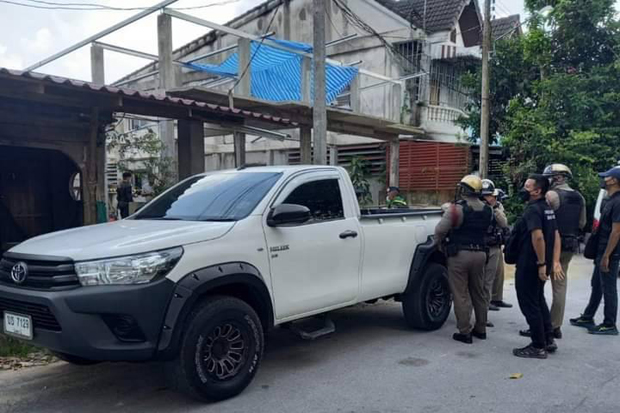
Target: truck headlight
133	269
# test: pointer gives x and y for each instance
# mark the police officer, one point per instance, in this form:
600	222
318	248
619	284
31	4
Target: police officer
394	199
497	296
570	211
464	226
494	239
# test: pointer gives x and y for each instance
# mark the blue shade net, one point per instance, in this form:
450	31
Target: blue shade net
276	73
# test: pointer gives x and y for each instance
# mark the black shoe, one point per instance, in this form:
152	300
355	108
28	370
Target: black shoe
493	307
551	347
501	304
480	336
581	321
530	352
557	333
604	330
463	338
490	324
525	333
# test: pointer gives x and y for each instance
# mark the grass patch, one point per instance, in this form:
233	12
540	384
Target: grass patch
10	347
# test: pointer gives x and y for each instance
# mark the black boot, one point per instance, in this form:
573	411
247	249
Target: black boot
530	352
463	338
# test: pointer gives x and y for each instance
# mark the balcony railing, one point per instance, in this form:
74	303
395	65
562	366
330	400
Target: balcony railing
442	51
443	114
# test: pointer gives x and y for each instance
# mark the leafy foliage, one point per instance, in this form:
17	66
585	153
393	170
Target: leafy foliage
359	172
142	154
555	93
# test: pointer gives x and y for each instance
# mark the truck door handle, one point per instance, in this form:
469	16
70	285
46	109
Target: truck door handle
348	234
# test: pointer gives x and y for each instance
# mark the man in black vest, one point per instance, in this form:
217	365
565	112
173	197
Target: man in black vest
538	257
570	211
464	226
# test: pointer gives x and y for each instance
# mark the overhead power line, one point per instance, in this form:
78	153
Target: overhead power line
48	5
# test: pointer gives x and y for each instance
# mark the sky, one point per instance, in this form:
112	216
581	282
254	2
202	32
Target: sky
28	35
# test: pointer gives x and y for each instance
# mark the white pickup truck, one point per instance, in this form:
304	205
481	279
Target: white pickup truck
201	273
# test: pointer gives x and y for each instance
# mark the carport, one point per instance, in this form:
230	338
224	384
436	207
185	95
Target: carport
52	146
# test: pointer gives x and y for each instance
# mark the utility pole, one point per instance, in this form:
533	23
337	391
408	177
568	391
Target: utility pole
485	110
319	112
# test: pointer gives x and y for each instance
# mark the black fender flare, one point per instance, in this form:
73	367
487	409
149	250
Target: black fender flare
424	253
195	285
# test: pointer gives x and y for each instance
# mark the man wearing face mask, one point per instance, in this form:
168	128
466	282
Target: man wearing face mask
538	257
494	240
570	211
464	225
606	265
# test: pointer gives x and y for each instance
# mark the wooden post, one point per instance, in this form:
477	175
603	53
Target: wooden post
394	161
89	173
191	148
305	145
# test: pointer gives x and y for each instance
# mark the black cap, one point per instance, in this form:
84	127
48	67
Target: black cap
393	188
612	173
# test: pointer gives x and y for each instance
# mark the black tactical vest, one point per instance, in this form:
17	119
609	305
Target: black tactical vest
569	213
475	227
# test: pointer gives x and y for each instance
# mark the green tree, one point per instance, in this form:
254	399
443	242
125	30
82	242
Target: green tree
143	153
556	93
359	173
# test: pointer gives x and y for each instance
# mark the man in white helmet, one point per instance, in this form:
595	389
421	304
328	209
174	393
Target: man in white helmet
464	226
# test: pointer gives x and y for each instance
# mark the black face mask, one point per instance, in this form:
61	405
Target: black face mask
603	183
524	195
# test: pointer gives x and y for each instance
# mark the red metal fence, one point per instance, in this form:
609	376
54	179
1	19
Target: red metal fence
432	166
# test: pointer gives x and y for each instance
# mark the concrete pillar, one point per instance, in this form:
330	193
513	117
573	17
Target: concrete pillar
305	145
397	101
287	19
244	87
319	112
167	80
333	155
394	161
239	149
191	148
355	97
306	80
97	68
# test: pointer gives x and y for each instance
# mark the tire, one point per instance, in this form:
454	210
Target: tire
427	305
221	350
78	361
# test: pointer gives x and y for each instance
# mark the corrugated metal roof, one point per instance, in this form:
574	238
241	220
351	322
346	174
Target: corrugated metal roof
79	84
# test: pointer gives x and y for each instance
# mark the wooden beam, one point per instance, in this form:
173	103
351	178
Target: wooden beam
191	149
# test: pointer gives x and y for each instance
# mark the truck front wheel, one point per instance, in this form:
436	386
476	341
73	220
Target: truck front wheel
427	305
221	350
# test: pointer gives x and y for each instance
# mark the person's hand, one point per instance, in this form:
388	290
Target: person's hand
542	273
558	272
605	263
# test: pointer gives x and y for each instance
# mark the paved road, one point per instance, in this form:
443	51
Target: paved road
372	364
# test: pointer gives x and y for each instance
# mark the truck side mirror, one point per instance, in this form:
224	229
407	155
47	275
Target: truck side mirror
288	214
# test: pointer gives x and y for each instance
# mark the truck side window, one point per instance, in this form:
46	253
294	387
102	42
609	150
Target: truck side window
323	198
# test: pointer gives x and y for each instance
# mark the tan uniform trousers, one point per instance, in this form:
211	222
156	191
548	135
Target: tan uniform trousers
559	288
467	280
498	284
495	253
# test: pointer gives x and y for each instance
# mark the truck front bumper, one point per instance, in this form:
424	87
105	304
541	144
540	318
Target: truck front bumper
105	323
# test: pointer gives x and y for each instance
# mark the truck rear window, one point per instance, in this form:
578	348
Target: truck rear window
213	197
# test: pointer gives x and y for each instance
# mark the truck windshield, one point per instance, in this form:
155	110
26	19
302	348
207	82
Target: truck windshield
213	197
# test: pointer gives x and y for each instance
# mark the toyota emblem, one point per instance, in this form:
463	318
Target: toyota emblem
19	273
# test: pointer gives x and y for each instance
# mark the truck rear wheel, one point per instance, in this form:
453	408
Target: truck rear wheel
221	350
428	304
